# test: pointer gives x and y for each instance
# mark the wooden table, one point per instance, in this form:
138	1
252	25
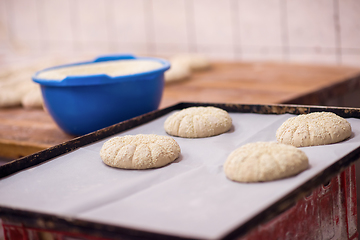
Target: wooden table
23	132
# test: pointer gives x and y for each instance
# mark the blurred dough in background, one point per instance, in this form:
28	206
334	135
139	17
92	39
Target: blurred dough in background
177	72
183	64
195	62
12	92
32	99
18	89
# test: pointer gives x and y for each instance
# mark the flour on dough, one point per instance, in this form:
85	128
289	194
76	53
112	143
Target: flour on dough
318	128
198	122
140	151
264	161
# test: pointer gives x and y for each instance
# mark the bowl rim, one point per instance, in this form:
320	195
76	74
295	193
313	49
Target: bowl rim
100	79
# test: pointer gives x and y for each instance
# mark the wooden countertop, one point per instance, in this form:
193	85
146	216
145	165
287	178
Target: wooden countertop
23	132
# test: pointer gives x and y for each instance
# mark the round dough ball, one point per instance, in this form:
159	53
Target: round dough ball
177	72
191	60
264	161
32	99
198	122
318	128
139	151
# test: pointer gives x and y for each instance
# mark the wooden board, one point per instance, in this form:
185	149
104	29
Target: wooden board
23	132
263	83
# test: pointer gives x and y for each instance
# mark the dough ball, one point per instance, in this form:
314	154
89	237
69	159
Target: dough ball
16	86
32	99
193	61
139	151
9	97
12	92
177	72
318	128
264	161
198	122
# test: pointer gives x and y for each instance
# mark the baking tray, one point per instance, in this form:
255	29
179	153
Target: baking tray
65	220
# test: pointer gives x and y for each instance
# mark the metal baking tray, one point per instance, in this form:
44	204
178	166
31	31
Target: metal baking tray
67	187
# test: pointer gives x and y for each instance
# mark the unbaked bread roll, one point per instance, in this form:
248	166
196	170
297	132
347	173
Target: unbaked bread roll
140	151
198	122
16	86
264	161
192	60
32	99
318	128
177	72
12	92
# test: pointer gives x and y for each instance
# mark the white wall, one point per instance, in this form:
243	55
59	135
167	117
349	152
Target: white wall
310	31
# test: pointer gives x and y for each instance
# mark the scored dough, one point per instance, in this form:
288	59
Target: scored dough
318	128
264	161
198	122
140	151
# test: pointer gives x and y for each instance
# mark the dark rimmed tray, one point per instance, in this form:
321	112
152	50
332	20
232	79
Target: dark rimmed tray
32	219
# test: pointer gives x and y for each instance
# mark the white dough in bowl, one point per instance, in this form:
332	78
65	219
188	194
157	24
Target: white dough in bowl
140	151
198	122
264	161
111	68
318	128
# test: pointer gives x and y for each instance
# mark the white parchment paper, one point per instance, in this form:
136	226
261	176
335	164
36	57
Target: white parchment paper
189	198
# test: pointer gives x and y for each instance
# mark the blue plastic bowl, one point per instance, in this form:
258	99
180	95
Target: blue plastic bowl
83	104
